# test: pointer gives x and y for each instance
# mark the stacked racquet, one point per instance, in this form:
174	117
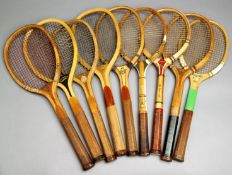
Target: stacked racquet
55	54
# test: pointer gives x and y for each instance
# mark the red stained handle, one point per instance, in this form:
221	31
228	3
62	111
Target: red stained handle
114	123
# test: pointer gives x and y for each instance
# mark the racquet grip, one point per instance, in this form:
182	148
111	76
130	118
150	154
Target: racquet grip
143	134
170	138
101	129
86	130
114	123
84	157
131	142
157	131
183	134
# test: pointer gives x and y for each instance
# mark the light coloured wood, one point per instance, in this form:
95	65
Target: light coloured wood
116	131
101	129
86	129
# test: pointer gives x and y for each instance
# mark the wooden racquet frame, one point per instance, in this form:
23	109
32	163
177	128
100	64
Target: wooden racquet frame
141	68
50	92
195	80
85	80
66	84
103	73
123	75
157	124
181	75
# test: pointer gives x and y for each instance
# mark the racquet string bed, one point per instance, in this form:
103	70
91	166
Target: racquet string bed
200	42
86	48
65	44
218	52
18	64
176	32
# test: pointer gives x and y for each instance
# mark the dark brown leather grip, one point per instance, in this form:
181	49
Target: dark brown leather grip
131	142
183	134
143	134
84	157
170	138
157	131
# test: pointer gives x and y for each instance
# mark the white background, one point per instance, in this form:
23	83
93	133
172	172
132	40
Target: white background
32	141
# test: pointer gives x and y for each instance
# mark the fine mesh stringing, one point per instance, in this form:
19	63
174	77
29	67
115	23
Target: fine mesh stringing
64	42
218	52
19	65
176	31
130	35
199	44
86	47
106	34
154	34
41	54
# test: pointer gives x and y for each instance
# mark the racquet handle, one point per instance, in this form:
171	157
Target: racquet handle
84	157
158	116
143	134
183	134
86	129
170	138
131	141
114	122
101	129
157	131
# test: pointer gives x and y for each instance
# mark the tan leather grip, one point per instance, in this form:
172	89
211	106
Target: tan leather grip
86	129
143	134
131	142
183	134
84	157
114	123
101	129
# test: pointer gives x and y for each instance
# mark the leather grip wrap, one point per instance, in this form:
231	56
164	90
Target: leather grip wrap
81	152
85	159
157	131
143	134
183	134
170	138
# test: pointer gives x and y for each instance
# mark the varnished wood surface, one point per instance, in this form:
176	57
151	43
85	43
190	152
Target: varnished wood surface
115	127
86	129
131	141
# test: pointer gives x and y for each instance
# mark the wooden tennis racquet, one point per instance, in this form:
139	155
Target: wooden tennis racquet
198	53
132	43
211	68
108	36
155	38
66	42
34	40
88	60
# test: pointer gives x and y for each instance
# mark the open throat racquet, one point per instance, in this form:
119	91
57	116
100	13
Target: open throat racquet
67	45
108	36
154	34
197	54
211	68
34	42
84	72
132	43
